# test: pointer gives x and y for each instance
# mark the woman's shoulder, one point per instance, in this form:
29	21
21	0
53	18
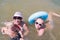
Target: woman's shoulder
22	22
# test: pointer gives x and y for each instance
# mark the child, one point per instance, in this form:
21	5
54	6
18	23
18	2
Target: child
13	31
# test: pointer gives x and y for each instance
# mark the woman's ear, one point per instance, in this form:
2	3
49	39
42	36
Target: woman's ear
46	21
43	26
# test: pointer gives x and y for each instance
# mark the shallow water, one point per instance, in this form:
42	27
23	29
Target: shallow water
9	7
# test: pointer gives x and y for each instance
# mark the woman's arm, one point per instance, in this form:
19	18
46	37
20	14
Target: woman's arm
54	14
26	29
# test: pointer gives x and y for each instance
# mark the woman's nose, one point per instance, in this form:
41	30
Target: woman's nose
16	20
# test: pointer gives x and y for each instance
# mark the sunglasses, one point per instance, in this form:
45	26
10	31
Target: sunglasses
38	23
42	25
17	18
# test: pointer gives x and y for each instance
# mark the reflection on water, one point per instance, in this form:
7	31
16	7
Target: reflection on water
56	2
8	7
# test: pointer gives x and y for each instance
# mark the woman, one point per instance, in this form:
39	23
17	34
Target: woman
42	20
18	20
39	19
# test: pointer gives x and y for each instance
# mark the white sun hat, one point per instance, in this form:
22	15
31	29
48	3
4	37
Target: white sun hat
18	14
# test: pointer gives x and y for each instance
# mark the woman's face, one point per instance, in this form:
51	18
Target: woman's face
38	23
17	20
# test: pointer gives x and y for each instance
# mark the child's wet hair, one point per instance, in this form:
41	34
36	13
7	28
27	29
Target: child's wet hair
15	28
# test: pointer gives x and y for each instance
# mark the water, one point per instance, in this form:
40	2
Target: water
9	7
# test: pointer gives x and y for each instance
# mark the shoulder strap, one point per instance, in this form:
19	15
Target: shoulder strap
22	23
